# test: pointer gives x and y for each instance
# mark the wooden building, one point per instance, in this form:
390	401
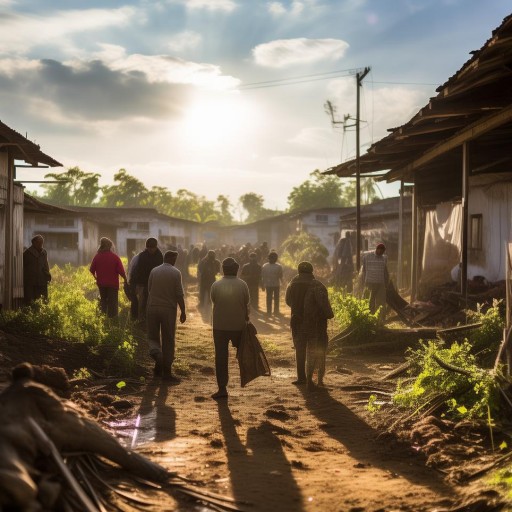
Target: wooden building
15	150
456	153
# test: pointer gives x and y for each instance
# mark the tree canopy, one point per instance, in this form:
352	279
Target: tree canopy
79	188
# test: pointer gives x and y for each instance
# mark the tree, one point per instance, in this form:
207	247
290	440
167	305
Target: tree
252	203
224	205
370	191
128	191
75	187
320	191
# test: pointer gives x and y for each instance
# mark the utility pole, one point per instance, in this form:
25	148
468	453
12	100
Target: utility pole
359	82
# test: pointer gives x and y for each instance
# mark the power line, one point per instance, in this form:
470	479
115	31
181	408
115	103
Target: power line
349	71
403	83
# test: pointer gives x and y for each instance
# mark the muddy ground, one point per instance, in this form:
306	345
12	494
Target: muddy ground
271	446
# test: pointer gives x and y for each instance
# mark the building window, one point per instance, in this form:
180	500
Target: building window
62	241
475	228
142	226
60	222
322	218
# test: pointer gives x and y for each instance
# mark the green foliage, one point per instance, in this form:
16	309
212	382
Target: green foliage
253	204
321	191
503	479
351	312
324	191
126	191
469	394
74	187
72	313
82	373
487	338
304	247
373	404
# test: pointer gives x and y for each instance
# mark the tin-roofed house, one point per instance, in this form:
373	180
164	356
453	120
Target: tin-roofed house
14	148
456	153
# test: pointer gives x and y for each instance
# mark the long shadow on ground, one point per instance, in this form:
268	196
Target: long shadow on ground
360	439
260	473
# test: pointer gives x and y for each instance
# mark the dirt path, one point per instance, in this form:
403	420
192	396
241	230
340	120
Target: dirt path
272	445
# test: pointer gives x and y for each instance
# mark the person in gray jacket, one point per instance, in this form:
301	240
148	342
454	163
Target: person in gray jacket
165	294
36	271
230	300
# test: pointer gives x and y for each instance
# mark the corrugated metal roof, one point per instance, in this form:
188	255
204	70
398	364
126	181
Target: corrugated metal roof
24	149
480	91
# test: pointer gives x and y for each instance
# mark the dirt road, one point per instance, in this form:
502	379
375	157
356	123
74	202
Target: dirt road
274	447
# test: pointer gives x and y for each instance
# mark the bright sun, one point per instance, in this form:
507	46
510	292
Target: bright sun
216	121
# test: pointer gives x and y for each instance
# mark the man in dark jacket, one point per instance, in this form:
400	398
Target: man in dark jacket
147	260
207	270
251	274
36	271
310	310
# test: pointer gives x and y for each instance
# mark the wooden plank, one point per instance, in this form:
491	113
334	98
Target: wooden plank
473	131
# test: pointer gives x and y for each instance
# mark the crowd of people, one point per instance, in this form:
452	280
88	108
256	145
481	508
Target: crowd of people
156	285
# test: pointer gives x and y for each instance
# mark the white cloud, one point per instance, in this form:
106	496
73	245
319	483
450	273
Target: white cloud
287	52
209	5
165	69
20	33
296	8
186	40
276	8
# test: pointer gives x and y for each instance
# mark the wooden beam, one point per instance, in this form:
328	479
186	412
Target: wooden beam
473	131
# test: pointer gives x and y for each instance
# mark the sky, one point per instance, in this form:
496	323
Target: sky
224	96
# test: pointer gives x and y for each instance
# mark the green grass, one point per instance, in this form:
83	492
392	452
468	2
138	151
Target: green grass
72	314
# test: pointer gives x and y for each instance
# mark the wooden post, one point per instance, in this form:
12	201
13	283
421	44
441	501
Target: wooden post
9	253
414	244
359	82
464	220
399	270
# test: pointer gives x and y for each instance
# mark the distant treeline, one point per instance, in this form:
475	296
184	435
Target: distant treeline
78	188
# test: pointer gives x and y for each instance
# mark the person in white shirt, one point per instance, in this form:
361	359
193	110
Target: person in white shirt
271	278
375	277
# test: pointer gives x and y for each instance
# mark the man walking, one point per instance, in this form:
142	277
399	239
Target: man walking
310	310
36	271
165	294
375	277
271	277
207	270
251	274
230	299
147	260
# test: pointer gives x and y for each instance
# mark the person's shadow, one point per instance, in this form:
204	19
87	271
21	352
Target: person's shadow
159	413
361	440
260	474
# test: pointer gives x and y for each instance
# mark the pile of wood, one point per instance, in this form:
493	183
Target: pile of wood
53	457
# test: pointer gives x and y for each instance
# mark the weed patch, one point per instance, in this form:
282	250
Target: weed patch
72	313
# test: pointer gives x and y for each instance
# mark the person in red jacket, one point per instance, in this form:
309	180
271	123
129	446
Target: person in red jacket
106	267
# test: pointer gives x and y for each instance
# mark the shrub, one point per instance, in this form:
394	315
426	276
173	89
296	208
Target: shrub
487	338
304	247
351	312
466	393
72	313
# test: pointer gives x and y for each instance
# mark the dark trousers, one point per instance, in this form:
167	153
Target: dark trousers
109	301
221	340
161	327
32	293
300	359
272	293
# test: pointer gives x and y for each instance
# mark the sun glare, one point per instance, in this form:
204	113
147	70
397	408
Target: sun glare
216	122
